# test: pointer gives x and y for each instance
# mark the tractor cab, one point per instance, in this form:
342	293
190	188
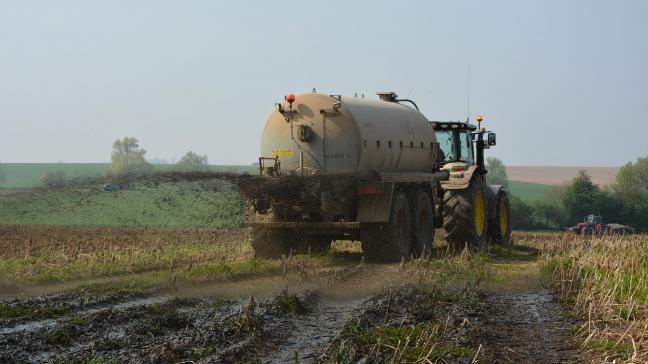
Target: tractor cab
461	144
593	220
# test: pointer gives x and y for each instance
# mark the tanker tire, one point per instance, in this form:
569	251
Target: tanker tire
390	241
459	215
314	245
272	243
498	230
422	215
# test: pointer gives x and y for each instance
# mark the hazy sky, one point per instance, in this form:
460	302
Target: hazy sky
561	82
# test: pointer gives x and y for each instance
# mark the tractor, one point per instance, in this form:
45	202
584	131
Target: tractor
593	225
469	210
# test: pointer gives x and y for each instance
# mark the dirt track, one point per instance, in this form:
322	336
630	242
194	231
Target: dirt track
500	325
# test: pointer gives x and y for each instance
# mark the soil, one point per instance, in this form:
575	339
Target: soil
515	321
524	327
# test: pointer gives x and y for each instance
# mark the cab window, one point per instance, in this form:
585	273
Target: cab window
466	147
444	138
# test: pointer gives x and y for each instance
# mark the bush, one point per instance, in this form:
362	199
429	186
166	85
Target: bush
192	162
127	158
54	179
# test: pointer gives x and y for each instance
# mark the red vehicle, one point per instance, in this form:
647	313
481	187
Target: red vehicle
593	224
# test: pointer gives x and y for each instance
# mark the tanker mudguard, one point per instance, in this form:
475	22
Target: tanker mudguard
459	180
376	207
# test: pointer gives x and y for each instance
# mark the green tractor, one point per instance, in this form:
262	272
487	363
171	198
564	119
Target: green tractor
469	210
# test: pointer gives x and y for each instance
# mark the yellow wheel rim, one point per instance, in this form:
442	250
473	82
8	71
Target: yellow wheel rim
503	218
480	213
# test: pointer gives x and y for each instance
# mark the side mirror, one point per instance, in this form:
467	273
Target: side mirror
491	139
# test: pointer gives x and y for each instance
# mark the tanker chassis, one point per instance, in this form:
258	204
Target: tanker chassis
371	170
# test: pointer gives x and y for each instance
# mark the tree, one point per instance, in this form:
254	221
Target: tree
632	180
551	211
496	172
523	215
582	197
193	162
128	158
54	179
631	187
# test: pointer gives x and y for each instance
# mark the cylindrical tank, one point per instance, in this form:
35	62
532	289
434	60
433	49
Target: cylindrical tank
337	134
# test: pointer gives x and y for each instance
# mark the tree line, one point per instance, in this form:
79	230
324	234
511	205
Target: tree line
624	201
127	159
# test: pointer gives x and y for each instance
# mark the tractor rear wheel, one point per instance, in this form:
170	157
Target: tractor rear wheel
499	226
273	243
422	215
390	241
465	215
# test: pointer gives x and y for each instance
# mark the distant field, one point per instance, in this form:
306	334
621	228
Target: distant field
528	192
26	175
205	204
548	175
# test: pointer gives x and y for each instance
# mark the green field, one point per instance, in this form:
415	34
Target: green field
528	192
27	175
204	204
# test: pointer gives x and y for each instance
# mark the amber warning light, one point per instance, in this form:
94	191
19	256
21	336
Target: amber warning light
290	98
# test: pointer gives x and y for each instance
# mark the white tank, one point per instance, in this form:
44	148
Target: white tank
349	135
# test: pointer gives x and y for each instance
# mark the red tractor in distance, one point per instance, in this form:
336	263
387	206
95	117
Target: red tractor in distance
593	225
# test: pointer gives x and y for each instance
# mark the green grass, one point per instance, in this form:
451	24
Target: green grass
33	311
290	303
28	175
178	205
528	192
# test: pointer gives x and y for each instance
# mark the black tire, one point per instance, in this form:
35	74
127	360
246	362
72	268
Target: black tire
422	215
391	241
462	221
273	243
499	226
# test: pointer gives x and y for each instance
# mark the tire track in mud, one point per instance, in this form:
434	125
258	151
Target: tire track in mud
528	327
301	338
520	322
114	319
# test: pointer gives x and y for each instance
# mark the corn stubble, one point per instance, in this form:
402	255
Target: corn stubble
605	280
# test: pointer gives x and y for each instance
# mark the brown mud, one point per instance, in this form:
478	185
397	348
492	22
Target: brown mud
523	327
515	319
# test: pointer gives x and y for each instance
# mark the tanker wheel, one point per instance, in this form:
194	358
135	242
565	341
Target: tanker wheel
465	215
422	215
390	241
499	227
273	243
314	244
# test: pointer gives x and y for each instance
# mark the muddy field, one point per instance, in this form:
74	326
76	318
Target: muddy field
487	307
